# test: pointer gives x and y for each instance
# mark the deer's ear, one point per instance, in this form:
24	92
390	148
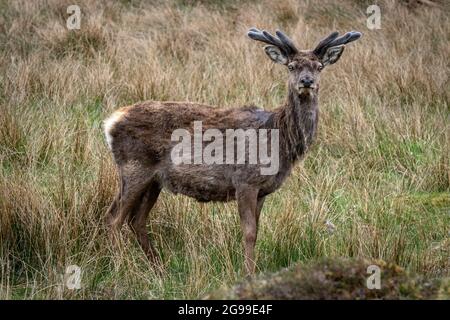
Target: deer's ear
332	55
275	54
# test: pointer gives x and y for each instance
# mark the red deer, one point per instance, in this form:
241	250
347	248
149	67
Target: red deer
139	137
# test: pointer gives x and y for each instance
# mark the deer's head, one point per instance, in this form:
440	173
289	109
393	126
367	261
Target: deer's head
304	65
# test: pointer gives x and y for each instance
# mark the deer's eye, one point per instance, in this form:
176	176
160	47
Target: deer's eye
320	67
290	67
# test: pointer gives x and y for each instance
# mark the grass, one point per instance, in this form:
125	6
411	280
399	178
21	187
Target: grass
379	171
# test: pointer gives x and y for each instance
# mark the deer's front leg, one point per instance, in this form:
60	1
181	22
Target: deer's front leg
247	205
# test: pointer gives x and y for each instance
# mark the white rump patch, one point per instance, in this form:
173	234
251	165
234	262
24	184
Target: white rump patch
109	124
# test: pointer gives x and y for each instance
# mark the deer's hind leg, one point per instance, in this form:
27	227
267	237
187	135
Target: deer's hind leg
114	207
138	220
134	181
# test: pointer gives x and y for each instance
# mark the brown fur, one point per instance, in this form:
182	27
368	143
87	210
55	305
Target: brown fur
141	145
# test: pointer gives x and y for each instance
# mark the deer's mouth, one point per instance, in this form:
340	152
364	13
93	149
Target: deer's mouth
306	90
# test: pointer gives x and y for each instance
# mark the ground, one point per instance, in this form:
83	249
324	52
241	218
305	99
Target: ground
338	279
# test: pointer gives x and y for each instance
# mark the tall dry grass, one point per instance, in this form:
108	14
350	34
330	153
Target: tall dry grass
379	170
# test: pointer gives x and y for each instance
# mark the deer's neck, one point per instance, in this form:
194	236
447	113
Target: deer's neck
297	122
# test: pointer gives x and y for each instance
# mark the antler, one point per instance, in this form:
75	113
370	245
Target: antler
332	41
282	41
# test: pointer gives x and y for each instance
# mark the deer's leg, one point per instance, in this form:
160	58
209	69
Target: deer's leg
259	205
134	182
247	205
112	210
114	207
139	218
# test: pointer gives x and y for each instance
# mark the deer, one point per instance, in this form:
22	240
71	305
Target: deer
139	137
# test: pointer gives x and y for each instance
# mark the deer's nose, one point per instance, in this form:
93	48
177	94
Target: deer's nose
307	82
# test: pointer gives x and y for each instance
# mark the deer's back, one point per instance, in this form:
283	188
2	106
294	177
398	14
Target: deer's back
142	133
145	129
